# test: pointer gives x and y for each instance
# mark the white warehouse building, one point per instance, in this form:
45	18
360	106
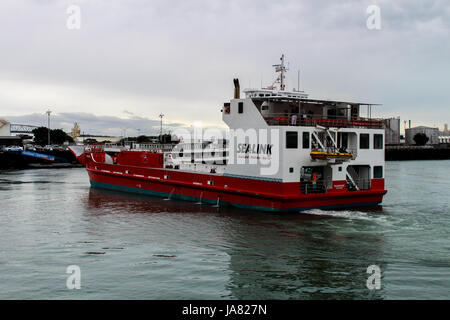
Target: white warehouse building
431	133
5	128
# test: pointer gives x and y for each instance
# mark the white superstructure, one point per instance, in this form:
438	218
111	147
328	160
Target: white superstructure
294	128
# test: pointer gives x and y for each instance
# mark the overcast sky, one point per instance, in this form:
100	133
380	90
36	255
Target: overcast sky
132	60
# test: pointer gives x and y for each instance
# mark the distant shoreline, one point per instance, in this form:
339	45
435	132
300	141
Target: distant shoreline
392	153
416	153
14	160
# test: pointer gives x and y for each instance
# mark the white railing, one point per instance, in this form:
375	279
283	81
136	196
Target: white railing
115	146
326	121
152	147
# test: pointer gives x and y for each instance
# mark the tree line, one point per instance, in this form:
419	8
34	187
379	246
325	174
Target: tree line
57	136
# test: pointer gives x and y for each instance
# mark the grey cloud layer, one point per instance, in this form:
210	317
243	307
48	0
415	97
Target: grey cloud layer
94	124
178	57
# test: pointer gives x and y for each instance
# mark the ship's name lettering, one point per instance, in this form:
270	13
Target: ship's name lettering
255	148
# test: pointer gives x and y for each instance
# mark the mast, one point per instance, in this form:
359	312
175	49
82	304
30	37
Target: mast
282	69
160	133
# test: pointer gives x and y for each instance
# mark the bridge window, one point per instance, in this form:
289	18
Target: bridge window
291	139
226	107
364	141
378	141
240	107
305	140
378	172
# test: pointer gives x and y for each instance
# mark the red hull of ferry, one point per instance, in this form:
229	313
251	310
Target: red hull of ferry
240	192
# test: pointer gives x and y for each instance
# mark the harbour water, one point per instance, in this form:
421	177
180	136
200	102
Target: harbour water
132	247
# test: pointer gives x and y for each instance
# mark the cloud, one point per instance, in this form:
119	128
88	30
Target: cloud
95	125
179	57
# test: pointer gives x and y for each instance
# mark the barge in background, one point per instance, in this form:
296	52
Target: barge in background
285	152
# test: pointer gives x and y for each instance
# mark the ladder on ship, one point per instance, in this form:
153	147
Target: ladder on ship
352	177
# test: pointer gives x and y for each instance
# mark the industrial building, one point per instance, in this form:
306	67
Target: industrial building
5	135
431	133
392	131
5	128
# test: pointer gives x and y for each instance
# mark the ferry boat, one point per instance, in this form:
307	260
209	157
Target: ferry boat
284	152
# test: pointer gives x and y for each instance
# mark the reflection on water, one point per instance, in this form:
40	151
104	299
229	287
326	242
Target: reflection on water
271	256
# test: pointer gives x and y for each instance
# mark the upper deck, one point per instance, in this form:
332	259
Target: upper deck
280	107
295	109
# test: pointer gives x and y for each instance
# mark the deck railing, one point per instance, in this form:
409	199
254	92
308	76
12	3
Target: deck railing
115	146
353	151
152	147
320	186
283	119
